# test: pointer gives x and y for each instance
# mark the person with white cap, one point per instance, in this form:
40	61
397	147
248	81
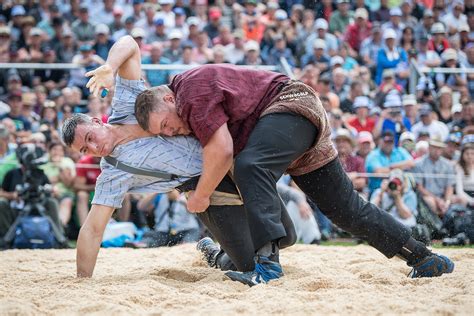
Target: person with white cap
410	106
390	56
444	105
455	17
341	18
430	124
361	121
359	30
353	165
408	141
174	50
457	81
392	118
317	56
395	22
435	177
321	31
438	41
370	47
103	43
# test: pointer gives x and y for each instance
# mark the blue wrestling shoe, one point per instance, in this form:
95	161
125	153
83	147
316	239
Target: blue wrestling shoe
209	251
431	266
265	270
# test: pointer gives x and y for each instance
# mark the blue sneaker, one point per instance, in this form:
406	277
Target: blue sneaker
209	251
431	266
265	270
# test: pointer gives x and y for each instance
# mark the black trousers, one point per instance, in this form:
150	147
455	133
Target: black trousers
276	141
229	225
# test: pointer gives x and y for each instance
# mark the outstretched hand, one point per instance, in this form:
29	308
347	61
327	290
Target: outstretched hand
100	78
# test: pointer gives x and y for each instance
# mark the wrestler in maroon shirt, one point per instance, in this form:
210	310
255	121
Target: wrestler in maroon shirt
272	125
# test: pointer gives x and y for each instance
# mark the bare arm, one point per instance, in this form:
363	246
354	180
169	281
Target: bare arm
90	237
124	59
217	160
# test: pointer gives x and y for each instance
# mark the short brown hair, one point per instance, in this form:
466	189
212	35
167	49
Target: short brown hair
148	101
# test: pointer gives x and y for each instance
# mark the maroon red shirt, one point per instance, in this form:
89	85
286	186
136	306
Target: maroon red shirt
211	95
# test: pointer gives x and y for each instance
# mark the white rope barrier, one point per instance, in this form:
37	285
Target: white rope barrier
358	174
63	66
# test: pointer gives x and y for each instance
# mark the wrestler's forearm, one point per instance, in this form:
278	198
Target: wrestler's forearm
90	238
217	160
121	52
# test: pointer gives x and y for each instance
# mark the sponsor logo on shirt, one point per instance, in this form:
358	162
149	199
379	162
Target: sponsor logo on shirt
293	95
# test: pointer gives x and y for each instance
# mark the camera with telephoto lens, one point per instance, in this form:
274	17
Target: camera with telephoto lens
394	184
32	190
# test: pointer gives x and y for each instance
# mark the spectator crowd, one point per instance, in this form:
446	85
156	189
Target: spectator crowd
400	146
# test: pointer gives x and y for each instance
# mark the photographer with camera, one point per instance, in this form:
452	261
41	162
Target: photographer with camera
26	192
397	197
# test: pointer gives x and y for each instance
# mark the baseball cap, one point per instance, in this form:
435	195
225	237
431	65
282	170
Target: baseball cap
395	11
392	101
361	13
445	90
365	137
389	33
438	28
273	5
193	20
130	19
5	30
18	10
388	135
407	136
361	101
36	31
138	32
175	34
215	14
389	72
319	44
179	11
428	13
159	22
101	29
83	8
449	54
425	109
464	27
336	60
85	47
252	45
281	15
137	1
15	94
409	99
117	11
321	24
238	33
457	108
